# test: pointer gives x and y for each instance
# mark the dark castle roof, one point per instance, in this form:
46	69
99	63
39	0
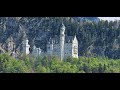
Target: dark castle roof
56	39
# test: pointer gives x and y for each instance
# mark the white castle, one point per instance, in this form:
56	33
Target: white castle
61	46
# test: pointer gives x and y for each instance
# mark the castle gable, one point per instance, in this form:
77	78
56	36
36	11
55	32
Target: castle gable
75	39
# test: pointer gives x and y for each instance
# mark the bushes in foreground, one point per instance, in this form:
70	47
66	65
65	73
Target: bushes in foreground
29	64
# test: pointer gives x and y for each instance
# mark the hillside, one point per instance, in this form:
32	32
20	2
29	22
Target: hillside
95	39
28	64
90	19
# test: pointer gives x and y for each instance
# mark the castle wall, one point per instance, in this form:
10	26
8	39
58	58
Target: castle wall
26	47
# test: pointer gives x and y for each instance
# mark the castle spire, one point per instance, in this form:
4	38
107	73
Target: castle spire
75	35
26	46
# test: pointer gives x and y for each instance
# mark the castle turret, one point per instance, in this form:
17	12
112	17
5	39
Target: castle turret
62	41
26	47
36	51
75	47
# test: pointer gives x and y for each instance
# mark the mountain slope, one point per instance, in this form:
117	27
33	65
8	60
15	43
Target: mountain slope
102	38
81	19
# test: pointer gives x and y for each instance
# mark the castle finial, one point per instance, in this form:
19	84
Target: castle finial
75	37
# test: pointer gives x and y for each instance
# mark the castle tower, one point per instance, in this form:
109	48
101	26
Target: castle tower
26	47
75	47
36	51
62	41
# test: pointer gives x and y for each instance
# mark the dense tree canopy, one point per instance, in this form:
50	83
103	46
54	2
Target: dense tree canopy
28	64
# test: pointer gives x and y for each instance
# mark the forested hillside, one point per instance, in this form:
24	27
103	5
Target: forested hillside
101	38
28	64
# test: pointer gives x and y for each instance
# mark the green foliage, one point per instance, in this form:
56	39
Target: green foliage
41	69
28	64
11	65
14	66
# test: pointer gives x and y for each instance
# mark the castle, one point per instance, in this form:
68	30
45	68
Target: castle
62	46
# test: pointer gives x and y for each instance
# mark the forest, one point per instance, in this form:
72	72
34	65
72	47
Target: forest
95	38
99	45
31	64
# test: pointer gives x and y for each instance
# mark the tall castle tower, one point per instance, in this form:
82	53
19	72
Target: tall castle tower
26	47
62	41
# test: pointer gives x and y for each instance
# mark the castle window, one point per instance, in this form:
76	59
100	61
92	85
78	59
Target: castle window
75	50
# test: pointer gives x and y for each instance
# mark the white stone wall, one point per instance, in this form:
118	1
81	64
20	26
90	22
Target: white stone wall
62	43
26	47
36	51
70	49
75	48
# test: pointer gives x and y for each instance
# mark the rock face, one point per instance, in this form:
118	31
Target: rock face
101	38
